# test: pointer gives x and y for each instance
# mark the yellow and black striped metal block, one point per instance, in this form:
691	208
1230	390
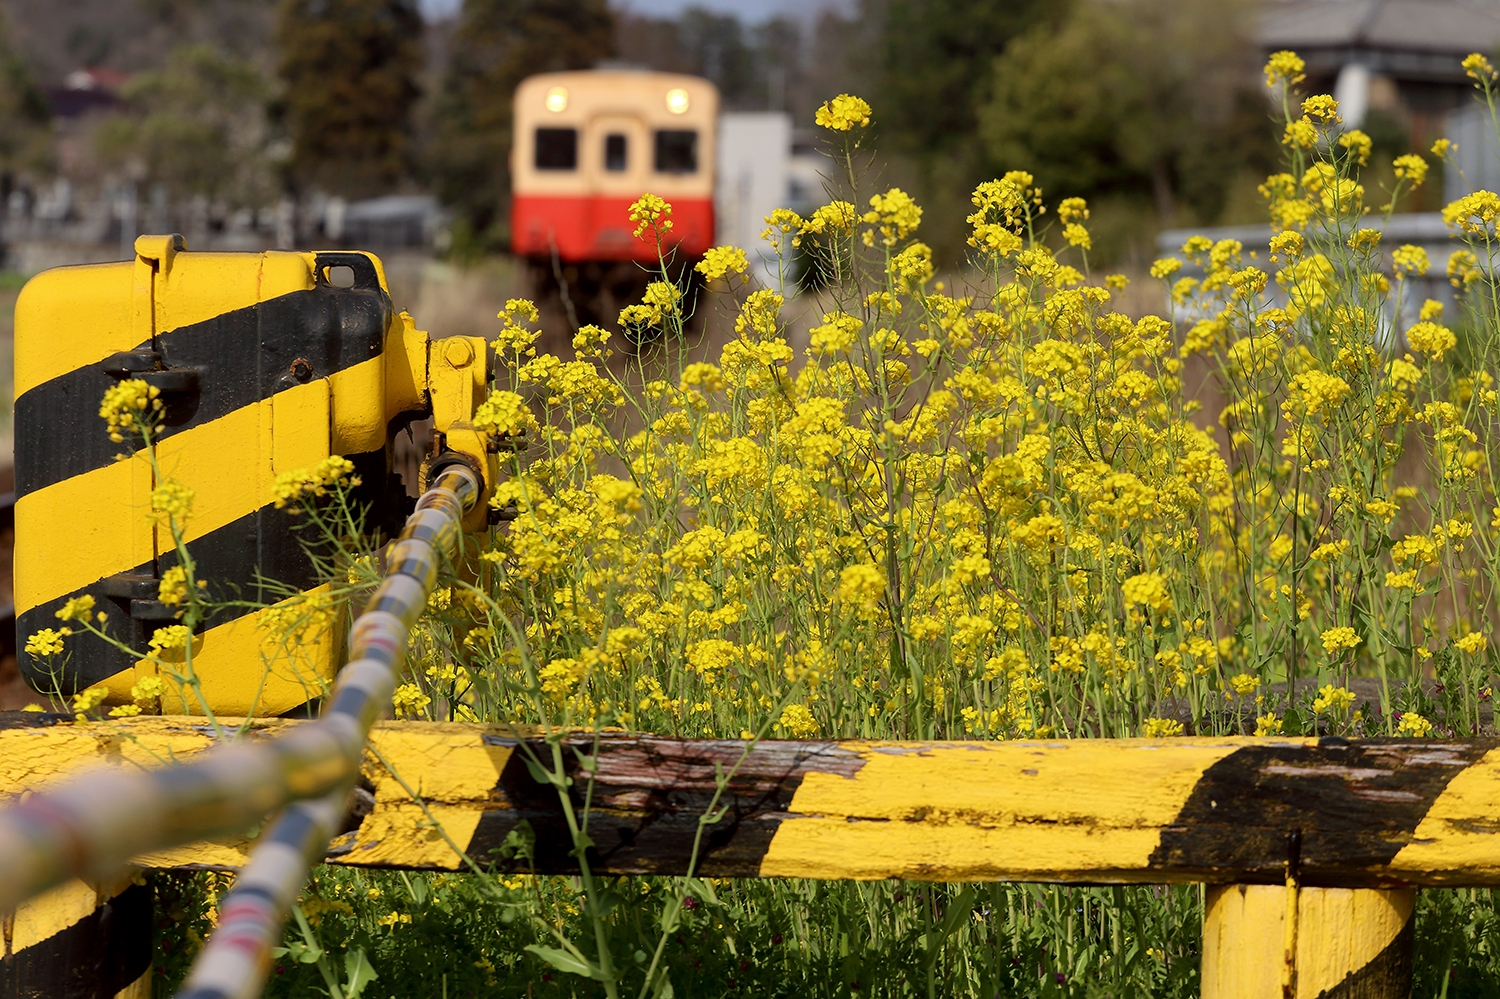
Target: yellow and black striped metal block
265	364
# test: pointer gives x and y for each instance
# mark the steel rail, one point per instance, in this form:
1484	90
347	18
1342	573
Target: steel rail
90	827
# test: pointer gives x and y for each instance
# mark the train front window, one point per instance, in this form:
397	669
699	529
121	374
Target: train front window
557	149
614	152
676	151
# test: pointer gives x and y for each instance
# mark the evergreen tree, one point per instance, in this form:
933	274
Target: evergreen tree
350	73
931	63
25	135
497	44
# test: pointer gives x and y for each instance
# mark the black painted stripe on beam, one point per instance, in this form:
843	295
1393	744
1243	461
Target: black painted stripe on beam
1355	804
95	958
647	798
241	357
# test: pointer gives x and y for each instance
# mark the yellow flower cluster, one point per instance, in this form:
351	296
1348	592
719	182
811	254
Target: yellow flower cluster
1007	512
722	260
126	407
331	473
843	113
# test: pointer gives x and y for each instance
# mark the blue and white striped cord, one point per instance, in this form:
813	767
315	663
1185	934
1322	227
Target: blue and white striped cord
91	826
237	956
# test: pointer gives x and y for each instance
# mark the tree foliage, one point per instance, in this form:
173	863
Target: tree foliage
350	72
497	44
931	63
1143	97
25	139
197	126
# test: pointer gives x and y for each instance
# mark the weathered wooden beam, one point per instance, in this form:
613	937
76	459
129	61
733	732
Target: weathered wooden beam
1218	810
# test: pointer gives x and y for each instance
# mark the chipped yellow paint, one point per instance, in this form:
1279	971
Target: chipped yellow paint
993	811
32	758
452	770
52	912
1455	837
1339	931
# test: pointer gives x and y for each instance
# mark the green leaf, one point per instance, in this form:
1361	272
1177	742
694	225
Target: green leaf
566	962
357	972
608	901
304	953
671	914
538	774
663	988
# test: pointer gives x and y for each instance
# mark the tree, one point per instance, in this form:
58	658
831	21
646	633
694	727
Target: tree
350	73
931	63
25	138
1165	108
197	126
497	44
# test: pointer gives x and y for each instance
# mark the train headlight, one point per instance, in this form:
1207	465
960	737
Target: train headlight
557	99
677	100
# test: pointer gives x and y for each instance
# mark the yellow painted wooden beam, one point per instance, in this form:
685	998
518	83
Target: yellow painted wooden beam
1370	814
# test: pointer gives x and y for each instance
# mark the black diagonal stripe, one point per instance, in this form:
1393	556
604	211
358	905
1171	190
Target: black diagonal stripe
648	796
241	561
95	958
242	357
1388	973
1356	806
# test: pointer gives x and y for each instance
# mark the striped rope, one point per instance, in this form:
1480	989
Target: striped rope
90	827
236	957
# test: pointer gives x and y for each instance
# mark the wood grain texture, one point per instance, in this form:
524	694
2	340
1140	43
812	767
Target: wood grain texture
1350	943
1218	810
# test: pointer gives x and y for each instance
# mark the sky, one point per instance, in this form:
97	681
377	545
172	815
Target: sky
749	11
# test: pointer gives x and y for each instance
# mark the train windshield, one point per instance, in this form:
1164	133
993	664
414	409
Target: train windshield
557	149
676	151
615	146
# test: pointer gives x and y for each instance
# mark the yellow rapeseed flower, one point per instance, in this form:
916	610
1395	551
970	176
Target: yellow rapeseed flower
1322	107
650	211
78	608
1160	728
1358	143
796	721
1431	339
1478	68
722	260
1414	726
1473	643
125	406
1411	167
1284	67
46	642
843	113
1335	640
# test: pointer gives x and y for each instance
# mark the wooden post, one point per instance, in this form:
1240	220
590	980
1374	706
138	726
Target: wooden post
1349	943
79	941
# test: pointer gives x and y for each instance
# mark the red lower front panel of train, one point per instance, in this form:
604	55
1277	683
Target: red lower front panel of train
599	228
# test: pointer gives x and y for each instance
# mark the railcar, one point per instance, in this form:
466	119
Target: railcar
589	143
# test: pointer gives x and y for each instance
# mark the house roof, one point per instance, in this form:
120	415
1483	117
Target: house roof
1407	38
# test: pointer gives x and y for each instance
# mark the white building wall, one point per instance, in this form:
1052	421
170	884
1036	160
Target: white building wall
754	151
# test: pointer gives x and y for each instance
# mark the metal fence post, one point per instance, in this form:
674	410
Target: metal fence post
1338	942
80	941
